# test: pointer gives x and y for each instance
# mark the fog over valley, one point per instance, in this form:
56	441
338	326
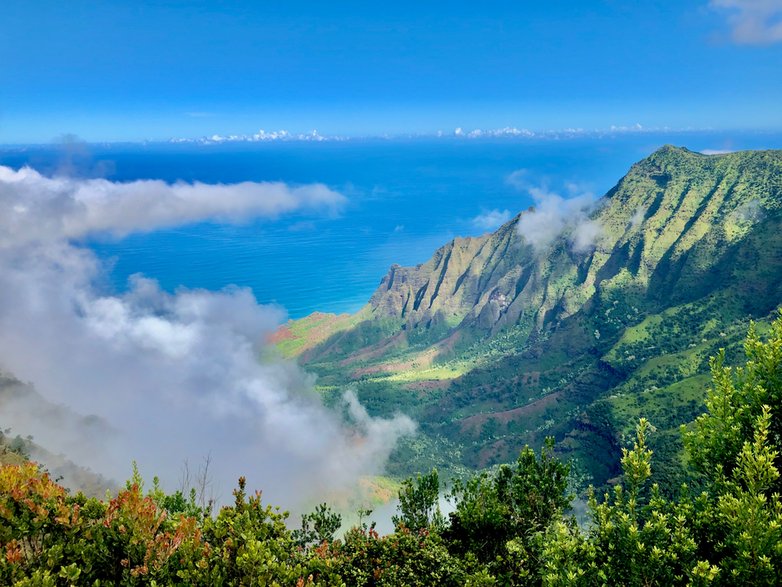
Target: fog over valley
171	376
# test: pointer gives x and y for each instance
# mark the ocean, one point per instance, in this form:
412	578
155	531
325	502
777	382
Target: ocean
405	198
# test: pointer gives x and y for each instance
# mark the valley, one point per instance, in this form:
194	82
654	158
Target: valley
573	330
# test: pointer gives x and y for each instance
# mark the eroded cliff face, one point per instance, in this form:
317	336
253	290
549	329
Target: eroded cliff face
454	284
662	231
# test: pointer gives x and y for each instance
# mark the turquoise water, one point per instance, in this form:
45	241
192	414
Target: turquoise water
405	198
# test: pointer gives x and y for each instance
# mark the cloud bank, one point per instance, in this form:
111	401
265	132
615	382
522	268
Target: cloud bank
752	22
37	208
554	215
175	376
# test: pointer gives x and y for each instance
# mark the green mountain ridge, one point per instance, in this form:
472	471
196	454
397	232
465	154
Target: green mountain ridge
498	341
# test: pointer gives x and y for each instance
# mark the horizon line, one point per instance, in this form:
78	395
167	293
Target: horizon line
458	133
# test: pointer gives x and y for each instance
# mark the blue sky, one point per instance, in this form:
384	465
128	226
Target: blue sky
134	70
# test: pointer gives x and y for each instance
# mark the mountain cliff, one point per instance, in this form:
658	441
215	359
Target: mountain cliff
663	225
571	319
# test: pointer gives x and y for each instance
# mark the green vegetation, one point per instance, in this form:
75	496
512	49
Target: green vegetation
493	345
298	336
511	526
13	449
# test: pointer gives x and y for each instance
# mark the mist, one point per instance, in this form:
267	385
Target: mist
173	377
750	212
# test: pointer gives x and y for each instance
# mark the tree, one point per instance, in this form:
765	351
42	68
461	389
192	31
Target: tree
728	531
736	447
735	403
317	527
500	517
418	504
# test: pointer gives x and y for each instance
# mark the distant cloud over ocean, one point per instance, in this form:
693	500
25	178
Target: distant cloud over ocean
36	207
506	132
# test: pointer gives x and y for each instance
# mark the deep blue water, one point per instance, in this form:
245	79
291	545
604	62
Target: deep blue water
405	198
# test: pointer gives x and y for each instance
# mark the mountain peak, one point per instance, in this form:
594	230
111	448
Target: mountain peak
673	153
669	148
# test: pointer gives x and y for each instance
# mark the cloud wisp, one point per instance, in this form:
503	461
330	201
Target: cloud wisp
749	212
717	151
638	217
176	376
752	22
554	215
491	220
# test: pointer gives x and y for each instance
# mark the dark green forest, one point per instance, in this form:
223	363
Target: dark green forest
512	525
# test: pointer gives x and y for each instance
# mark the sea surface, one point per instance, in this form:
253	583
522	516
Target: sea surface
406	197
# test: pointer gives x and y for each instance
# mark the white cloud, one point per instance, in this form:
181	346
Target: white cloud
637	127
752	22
554	216
261	136
37	208
491	220
176	376
585	235
506	131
